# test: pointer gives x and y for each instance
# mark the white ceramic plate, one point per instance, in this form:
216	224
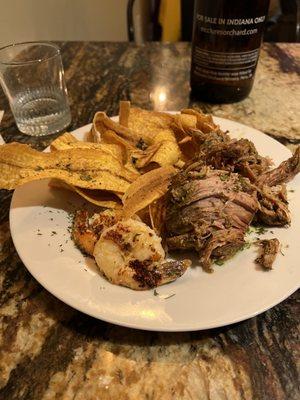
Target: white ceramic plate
235	291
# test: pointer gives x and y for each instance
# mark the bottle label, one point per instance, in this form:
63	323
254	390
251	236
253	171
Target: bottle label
225	66
227	48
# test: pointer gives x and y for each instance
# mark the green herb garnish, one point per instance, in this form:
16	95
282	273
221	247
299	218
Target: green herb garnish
246	245
85	177
141	144
219	262
224	177
260	230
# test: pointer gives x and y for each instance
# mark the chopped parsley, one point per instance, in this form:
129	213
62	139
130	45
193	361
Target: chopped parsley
224	177
257	229
219	262
141	144
260	230
246	245
85	177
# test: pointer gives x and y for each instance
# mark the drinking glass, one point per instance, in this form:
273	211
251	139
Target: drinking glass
32	77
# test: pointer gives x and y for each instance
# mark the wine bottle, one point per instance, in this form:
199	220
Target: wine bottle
227	36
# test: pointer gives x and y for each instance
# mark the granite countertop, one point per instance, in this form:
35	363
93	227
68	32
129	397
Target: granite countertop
50	351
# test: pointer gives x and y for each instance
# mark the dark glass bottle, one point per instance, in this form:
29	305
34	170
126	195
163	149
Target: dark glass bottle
227	36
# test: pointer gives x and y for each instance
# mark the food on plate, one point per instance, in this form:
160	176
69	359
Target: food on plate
85	168
215	148
209	210
148	140
146	189
68	141
161	182
286	171
273	206
271	192
101	198
130	254
211	203
87	228
268	252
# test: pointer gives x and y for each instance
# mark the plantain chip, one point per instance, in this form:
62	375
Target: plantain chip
102	123
110	137
182	123
142	158
146	189
63	142
86	168
188	121
124	111
167	154
186	125
205	122
68	141
153	126
158	142
102	198
72	160
147	138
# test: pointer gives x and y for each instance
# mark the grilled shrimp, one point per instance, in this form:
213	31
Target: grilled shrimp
130	254
87	229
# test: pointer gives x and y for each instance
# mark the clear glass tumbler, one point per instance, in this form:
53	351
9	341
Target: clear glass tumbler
32	77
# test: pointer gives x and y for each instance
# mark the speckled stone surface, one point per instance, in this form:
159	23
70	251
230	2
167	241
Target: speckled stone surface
50	351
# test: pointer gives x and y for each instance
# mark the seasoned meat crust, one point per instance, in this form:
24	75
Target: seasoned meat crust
268	252
209	211
211	204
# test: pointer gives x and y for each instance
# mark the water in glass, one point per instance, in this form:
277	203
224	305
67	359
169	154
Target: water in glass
40	111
